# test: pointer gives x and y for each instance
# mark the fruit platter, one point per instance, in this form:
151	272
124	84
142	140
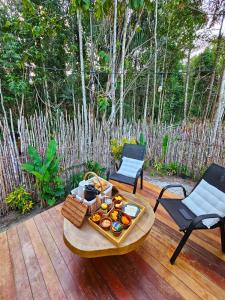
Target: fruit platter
116	217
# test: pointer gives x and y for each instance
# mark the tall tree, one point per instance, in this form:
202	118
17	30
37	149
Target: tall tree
220	108
125	25
113	66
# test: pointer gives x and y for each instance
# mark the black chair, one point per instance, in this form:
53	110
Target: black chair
185	218
131	151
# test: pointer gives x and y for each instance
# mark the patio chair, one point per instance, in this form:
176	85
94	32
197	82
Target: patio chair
204	208
130	167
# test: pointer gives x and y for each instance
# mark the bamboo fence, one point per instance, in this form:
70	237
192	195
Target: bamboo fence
189	144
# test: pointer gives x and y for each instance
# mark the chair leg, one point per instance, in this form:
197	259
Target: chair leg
180	246
156	206
142	179
222	234
135	187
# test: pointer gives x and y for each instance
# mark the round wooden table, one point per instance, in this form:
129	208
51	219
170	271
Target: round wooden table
89	243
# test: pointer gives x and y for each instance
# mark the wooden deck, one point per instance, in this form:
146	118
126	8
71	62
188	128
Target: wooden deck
35	264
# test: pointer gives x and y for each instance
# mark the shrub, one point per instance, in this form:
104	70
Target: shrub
117	147
94	166
48	184
75	179
20	199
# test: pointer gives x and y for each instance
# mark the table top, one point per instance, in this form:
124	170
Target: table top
88	242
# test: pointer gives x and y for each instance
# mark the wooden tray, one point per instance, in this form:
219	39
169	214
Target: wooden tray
109	235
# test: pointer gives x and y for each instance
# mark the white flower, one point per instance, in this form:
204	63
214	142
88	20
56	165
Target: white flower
69	72
21	18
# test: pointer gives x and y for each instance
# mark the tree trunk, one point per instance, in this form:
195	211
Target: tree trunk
92	80
113	88
212	79
146	99
187	85
193	93
80	30
220	109
155	61
125	25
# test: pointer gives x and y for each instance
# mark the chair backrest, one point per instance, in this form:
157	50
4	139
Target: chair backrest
208	196
134	151
215	175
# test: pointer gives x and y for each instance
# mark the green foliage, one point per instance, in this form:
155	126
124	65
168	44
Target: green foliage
117	147
172	168
142	140
165	145
80	4
20	199
102	103
90	166
49	185
94	166
136	4
76	179
158	166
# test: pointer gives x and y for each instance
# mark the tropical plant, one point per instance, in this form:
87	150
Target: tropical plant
117	147
142	140
20	199
94	166
75	179
165	145
172	168
45	170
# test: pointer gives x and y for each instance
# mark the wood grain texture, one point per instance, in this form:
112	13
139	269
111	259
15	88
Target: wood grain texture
44	268
23	289
88	242
7	284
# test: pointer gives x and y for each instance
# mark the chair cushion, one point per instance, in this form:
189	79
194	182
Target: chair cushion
175	207
122	178
130	167
206	199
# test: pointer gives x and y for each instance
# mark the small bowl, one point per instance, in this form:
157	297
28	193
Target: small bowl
125	226
99	213
103	220
114	231
112	212
118	204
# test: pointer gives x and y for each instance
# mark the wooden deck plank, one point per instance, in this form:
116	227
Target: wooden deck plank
50	277
88	276
7	284
70	288
167	274
199	276
45	268
23	289
38	287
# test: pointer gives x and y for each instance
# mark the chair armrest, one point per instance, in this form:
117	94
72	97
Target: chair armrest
198	219
172	186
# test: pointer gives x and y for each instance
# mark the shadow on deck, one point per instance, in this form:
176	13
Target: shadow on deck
35	263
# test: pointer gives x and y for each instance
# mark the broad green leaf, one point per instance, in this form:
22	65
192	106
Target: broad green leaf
51	201
34	155
28	167
50	152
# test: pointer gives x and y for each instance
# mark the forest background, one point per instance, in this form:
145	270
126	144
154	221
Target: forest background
133	59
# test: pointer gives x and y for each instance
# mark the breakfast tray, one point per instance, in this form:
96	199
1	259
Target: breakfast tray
109	235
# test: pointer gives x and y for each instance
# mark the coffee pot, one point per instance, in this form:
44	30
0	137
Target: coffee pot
90	192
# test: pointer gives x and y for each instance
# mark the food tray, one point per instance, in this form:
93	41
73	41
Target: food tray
109	235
